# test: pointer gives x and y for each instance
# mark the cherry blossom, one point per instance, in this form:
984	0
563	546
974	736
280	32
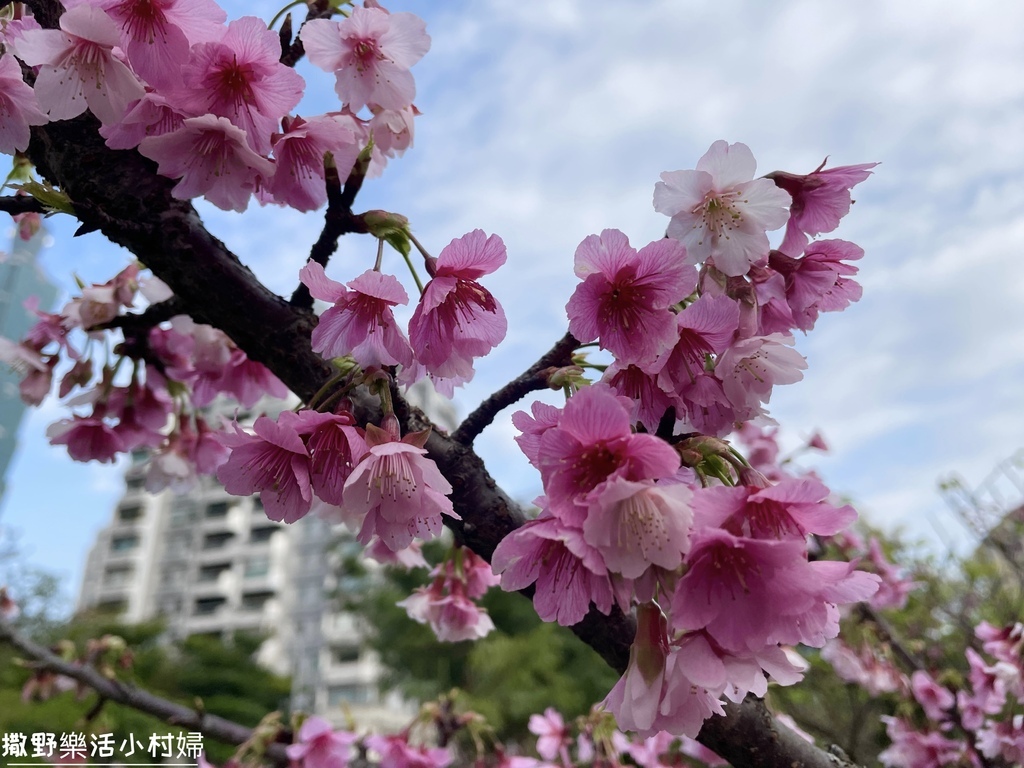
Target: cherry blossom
299	179
457	319
370	53
78	67
625	295
318	745
396	492
18	108
568	572
212	158
820	199
720	211
240	77
361	322
274	461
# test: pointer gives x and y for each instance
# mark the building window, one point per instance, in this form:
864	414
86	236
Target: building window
135	483
345	654
350	693
117	575
182	514
216	510
124	543
259	535
257	566
210	573
217	540
207	606
112	607
129	514
254	601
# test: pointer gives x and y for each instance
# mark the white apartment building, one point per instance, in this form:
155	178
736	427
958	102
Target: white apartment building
210	563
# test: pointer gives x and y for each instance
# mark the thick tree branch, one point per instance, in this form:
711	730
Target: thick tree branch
112	690
532	379
16	204
120	194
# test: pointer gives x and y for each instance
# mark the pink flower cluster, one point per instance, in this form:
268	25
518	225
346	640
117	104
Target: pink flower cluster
447	605
318	745
210	103
623	522
980	720
455	321
711	345
125	413
716	561
382	486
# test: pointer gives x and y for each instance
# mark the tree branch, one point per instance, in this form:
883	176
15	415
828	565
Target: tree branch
16	204
113	690
532	379
338	220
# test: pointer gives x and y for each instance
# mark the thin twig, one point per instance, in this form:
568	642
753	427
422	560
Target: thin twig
150	318
531	380
338	220
112	690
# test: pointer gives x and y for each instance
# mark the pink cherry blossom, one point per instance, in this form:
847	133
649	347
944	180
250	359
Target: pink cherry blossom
370	53
639	524
820	199
396	492
935	700
87	438
636	698
457	319
533	425
152	115
247	380
273	461
867	668
749	593
791	509
819	281
18	108
299	178
448	609
552	735
28	361
318	745
212	158
240	77
750	368
396	752
568	572
335	446
393	131
913	749
625	296
593	443
720	211
360	323
156	34
650	401
78	67
706	327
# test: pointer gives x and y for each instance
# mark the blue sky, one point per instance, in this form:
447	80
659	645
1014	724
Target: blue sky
545	123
